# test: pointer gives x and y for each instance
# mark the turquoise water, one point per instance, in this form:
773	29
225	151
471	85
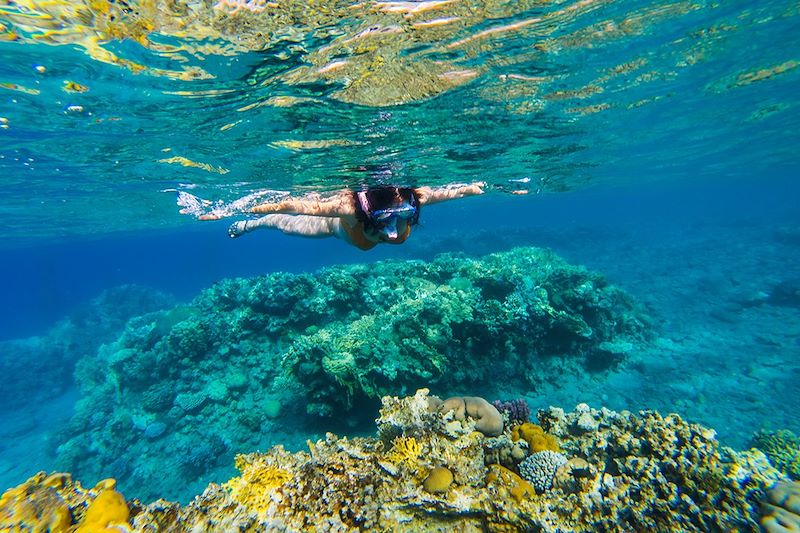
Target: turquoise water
657	142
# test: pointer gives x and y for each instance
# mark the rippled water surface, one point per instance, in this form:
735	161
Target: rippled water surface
106	105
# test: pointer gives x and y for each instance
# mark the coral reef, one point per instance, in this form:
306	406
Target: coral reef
423	472
452	320
201	381
42	366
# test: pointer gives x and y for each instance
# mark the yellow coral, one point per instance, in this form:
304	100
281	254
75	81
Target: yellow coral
536	438
405	450
254	487
517	487
105	511
31	507
439	480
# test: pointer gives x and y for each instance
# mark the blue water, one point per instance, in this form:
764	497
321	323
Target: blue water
662	142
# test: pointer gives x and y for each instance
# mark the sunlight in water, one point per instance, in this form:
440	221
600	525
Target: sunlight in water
238	96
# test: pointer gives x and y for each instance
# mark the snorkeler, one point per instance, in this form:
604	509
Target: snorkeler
363	219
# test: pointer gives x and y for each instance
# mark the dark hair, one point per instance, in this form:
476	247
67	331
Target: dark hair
382	197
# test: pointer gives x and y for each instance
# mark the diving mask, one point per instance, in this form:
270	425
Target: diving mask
385	220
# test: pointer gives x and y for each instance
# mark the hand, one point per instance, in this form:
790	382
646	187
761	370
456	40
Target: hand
475	187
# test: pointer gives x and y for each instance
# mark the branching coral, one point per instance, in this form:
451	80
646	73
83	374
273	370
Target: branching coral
259	478
783	449
406	451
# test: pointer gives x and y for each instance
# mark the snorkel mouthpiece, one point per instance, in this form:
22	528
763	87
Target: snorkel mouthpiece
390	229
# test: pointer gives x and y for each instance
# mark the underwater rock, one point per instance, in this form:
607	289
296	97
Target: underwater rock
644	472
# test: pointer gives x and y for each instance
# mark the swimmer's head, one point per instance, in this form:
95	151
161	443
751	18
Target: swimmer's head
388	211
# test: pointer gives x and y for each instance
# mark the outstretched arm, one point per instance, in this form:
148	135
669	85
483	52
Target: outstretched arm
340	205
303	226
430	195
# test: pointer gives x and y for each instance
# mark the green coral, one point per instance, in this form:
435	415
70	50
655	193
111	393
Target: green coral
782	448
448	322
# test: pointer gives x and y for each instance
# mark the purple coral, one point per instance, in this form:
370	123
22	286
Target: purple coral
517	410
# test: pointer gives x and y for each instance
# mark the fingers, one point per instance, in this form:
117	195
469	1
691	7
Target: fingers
477	187
209	216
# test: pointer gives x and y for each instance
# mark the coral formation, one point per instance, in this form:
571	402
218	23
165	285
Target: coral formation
782	448
642	472
198	382
540	468
501	478
57	503
439	480
488	419
514	411
107	510
536	438
35	505
781	510
447	322
42	366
